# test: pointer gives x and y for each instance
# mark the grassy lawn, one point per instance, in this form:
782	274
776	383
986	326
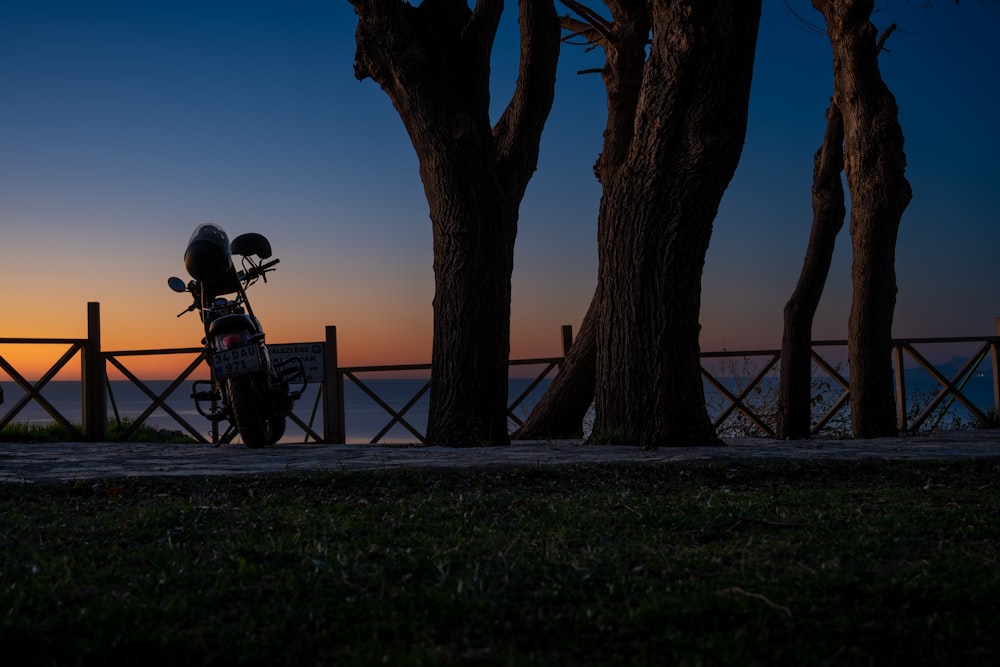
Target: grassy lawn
679	564
54	432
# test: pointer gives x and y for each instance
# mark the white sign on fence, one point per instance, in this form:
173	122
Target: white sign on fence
311	355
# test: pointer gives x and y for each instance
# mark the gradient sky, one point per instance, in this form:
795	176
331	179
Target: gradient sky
126	123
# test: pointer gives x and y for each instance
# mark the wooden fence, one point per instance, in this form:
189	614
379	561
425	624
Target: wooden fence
737	390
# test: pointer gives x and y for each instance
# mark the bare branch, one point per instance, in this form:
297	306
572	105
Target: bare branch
600	24
881	40
579	29
804	23
518	130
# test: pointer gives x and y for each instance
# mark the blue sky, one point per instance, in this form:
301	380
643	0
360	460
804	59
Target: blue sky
124	124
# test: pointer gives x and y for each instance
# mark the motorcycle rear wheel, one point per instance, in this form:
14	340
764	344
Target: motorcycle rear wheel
245	401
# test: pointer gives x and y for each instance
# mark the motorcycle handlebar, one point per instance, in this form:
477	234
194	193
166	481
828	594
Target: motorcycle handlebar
255	272
259	270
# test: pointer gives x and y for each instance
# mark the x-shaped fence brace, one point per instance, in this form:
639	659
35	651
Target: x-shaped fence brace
949	388
398	416
550	365
736	402
32	392
159	400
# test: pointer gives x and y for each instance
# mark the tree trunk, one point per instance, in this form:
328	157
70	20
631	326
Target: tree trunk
560	412
658	214
434	63
795	390
875	165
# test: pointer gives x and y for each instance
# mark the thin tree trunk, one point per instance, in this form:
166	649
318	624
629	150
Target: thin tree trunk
875	165
560	412
658	214
795	390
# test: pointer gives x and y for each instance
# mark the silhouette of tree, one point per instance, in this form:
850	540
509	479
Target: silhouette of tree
875	165
658	213
794	392
680	128
623	38
433	61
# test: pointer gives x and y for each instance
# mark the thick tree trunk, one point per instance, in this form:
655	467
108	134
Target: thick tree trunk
434	62
658	214
795	389
875	165
560	412
473	262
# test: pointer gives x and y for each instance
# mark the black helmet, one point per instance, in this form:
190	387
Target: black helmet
207	257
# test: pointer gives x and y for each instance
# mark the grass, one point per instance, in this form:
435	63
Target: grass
55	432
686	564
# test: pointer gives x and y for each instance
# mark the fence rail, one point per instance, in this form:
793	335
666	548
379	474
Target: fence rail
159	399
398	417
743	396
32	390
949	389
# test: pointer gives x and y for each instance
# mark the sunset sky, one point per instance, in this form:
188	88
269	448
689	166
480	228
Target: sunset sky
126	123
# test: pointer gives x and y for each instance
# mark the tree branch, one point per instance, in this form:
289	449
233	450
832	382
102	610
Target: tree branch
598	23
484	23
578	28
885	35
517	133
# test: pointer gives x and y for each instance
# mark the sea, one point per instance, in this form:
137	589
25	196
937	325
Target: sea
365	419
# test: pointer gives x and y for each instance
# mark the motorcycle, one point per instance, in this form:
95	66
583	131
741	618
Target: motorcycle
245	388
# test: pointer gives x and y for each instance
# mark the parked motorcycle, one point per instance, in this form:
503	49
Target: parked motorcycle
246	389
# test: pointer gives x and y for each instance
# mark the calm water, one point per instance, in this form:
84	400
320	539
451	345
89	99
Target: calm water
365	418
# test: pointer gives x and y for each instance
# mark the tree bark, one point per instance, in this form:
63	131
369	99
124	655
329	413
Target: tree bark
658	213
561	410
433	61
875	165
795	389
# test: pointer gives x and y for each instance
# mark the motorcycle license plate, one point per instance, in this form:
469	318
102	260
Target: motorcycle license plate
236	361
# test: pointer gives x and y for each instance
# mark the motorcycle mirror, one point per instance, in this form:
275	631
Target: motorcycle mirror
176	284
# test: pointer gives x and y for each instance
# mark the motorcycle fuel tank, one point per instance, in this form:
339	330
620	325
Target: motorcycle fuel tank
207	257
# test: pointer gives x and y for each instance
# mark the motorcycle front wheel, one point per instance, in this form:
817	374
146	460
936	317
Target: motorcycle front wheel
245	401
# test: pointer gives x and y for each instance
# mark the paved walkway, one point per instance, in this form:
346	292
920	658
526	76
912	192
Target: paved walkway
36	462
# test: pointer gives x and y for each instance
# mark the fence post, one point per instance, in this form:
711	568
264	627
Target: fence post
901	424
567	338
334	430
95	418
